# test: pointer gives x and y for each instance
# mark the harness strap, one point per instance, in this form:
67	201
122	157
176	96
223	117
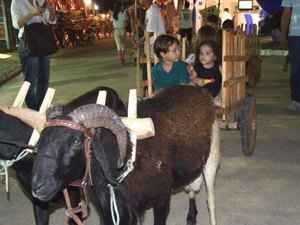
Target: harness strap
70	211
88	133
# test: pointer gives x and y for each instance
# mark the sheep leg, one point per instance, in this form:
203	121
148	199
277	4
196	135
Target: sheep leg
192	214
210	171
41	212
192	188
161	211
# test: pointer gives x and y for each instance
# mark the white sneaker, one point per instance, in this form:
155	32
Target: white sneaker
218	101
294	107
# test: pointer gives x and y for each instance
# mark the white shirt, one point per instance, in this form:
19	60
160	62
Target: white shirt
121	22
186	17
154	23
294	29
225	16
21	8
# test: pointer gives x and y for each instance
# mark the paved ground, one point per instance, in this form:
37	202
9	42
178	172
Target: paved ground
261	190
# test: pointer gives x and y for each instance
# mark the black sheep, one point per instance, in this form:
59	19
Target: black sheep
14	132
186	137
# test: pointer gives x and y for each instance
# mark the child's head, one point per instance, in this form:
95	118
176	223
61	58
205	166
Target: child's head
205	33
228	25
186	5
213	21
207	53
167	47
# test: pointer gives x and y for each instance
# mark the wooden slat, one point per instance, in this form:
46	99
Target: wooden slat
234	58
234	81
148	57
143	60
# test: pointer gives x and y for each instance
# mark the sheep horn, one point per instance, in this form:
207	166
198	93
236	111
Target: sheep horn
53	111
94	115
31	117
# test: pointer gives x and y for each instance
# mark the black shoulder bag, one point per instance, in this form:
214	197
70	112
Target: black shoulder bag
39	39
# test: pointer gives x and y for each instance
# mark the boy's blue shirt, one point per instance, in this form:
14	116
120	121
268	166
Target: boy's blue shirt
177	75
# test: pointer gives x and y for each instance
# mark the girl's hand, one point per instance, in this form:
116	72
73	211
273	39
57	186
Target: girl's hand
199	82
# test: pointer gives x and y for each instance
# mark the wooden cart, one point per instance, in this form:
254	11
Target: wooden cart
239	107
253	60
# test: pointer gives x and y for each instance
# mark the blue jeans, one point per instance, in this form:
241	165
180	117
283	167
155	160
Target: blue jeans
294	57
36	71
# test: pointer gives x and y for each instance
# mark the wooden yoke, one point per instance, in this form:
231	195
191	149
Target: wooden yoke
45	105
17	111
138	128
19	100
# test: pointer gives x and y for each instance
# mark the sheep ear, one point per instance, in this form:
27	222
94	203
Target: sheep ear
53	111
107	165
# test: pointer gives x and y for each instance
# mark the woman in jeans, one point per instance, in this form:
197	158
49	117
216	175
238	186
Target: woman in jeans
119	22
35	69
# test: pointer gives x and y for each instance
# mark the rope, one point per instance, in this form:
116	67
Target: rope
6	164
113	203
129	168
113	206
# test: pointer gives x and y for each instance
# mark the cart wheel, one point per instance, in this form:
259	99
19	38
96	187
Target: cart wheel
248	125
253	71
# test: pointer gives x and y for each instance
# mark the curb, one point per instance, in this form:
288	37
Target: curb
10	75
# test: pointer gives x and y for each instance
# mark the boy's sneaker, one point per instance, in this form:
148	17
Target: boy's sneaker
294	107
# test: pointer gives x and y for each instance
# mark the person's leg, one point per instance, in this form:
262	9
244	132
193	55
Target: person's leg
30	71
118	38
42	79
286	63
294	57
189	38
123	46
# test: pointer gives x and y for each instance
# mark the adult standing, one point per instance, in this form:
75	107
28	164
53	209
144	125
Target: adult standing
290	39
225	16
35	69
153	21
119	22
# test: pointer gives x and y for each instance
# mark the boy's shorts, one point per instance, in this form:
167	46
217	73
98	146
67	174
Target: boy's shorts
186	32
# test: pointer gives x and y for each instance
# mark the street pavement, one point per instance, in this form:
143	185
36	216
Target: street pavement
260	190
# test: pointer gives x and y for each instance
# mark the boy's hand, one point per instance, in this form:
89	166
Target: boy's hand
193	74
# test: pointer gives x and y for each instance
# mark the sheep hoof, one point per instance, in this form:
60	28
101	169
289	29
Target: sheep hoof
191	222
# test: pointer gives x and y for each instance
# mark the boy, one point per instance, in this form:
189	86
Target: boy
170	70
186	23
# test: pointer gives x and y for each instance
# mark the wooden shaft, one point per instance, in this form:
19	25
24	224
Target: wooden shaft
132	113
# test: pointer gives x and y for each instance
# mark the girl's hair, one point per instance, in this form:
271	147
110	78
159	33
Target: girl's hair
163	42
116	11
215	47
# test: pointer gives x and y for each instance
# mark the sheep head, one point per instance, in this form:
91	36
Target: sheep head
60	157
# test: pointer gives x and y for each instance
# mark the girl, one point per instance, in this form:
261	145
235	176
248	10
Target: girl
119	22
207	70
